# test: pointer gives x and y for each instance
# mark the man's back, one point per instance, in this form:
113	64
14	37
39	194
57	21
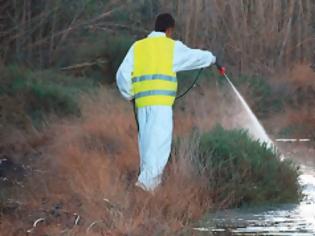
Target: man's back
153	79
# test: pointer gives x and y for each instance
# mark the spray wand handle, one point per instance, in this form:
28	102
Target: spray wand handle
220	68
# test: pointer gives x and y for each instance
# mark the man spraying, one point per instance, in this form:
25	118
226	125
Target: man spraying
148	75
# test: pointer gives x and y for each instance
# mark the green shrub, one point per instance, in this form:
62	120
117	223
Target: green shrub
41	92
117	48
105	50
243	171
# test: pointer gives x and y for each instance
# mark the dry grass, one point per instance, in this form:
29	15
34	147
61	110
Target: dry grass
298	86
303	74
89	167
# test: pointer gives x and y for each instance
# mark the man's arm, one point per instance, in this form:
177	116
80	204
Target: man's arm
186	58
123	75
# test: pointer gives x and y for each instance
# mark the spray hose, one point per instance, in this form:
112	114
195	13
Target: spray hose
193	84
221	70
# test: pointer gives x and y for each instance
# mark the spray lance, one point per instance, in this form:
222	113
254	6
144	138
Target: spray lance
221	71
260	132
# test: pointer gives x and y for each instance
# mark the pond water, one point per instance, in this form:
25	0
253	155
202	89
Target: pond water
292	219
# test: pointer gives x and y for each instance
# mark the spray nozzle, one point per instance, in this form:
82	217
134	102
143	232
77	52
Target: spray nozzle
220	68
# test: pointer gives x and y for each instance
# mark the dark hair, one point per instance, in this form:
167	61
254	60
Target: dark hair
163	22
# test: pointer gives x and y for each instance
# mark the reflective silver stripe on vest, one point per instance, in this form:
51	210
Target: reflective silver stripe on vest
155	92
154	77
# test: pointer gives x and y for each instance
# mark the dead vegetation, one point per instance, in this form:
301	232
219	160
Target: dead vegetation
297	86
83	184
78	175
252	36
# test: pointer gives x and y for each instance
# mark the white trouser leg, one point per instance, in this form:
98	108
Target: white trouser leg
155	138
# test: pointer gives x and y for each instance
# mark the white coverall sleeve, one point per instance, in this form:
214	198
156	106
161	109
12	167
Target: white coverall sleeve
186	58
124	73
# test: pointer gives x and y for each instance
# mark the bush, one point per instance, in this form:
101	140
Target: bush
39	93
117	48
242	171
105	50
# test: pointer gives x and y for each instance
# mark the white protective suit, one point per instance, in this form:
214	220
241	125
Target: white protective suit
156	122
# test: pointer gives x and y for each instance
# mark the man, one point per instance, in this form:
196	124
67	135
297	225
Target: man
148	75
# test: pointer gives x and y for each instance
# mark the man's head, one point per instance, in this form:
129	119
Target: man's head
165	23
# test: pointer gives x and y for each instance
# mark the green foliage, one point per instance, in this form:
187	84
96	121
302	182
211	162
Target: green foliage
243	171
39	93
108	50
117	48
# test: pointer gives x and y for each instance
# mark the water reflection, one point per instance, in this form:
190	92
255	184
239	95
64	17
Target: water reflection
293	219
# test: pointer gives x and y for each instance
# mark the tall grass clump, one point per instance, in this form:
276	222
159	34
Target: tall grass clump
242	171
90	165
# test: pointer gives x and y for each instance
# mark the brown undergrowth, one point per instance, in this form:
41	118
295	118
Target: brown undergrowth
297	86
82	183
78	174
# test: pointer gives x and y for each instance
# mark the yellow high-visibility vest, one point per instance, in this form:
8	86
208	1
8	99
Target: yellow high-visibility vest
153	79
